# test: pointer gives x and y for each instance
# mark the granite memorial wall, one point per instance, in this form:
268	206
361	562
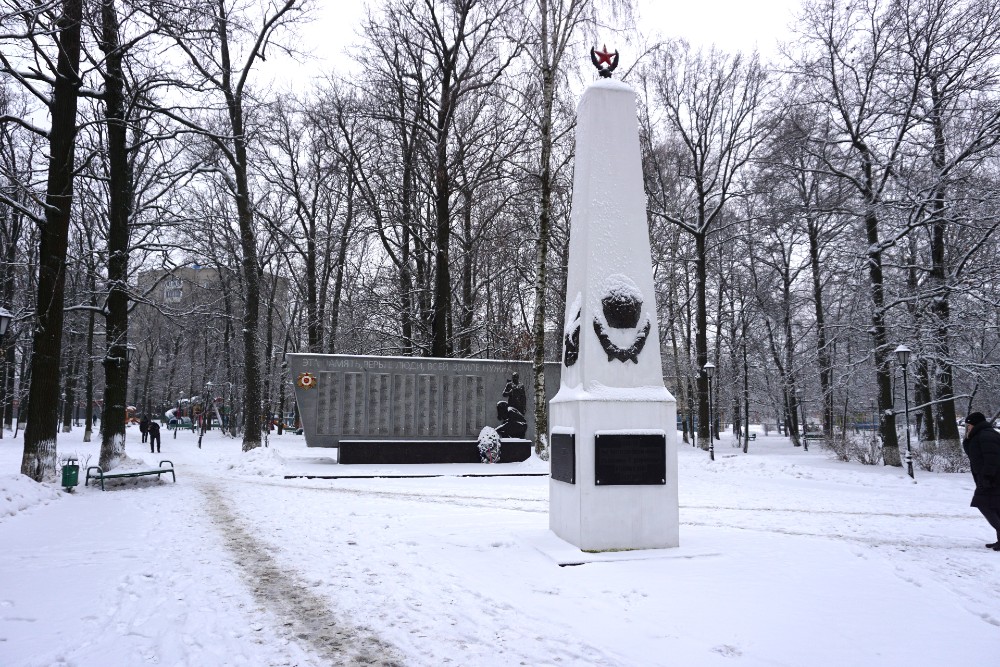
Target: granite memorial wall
345	397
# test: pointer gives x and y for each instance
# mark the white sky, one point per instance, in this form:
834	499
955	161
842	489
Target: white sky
730	24
733	25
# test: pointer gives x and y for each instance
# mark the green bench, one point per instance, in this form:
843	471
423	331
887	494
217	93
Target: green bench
101	475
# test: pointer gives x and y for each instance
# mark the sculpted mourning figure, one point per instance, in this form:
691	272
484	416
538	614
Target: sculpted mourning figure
514	393
510	411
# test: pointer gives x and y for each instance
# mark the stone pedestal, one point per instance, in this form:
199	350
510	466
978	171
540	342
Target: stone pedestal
614	437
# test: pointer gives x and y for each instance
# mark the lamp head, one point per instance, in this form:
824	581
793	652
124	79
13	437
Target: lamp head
903	355
709	369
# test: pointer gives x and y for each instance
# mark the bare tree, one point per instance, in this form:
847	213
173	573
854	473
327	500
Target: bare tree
221	42
951	47
62	25
849	67
713	106
555	24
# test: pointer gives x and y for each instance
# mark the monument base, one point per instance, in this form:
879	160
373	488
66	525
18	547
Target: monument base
512	450
623	490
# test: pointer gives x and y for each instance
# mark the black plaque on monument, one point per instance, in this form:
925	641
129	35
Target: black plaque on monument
563	458
629	458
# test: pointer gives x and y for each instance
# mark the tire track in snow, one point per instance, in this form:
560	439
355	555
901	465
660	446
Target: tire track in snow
305	616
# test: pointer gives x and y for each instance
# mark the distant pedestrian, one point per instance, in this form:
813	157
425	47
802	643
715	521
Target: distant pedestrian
144	427
154	436
982	446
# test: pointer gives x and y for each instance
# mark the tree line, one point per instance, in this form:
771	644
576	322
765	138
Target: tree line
807	214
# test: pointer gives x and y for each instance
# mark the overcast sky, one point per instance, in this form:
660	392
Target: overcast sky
734	25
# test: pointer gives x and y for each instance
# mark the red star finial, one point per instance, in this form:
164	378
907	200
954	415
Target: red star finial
603	56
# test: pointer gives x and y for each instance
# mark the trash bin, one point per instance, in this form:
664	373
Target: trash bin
70	474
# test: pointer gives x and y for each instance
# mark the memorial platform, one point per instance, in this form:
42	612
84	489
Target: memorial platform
512	450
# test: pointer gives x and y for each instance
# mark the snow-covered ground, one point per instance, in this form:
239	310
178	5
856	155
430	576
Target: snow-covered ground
786	558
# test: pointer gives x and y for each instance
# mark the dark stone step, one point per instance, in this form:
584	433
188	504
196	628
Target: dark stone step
427	451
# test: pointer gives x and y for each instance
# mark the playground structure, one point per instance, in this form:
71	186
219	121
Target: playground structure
192	413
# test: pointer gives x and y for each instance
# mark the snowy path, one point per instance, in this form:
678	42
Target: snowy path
305	615
129	576
799	561
375	552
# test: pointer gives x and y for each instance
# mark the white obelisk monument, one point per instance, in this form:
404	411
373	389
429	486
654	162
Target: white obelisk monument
613	422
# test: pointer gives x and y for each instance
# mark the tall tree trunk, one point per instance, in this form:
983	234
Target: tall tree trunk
548	73
792	385
922	396
440	340
249	264
338	286
69	389
39	458
883	373
822	346
940	304
468	307
701	336
119	217
745	326
88	425
12	236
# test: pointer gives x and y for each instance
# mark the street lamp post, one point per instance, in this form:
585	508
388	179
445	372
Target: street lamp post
903	357
709	372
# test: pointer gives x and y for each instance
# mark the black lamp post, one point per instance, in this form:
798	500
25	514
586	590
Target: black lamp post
903	357
709	368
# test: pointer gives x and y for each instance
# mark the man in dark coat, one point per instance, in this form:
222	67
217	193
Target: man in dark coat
982	446
144	427
154	436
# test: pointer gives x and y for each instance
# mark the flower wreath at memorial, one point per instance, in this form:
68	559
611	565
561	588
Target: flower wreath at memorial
489	445
306	381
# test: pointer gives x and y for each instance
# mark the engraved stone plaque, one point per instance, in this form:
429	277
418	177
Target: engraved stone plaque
399	399
563	457
630	458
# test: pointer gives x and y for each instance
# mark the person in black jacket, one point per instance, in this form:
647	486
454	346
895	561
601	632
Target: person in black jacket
144	427
154	436
982	446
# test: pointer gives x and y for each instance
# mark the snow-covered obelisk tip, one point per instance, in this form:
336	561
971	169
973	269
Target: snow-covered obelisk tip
614	444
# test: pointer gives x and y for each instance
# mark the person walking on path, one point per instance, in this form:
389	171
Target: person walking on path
982	446
144	427
154	436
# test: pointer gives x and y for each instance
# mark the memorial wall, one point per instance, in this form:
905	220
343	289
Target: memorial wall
344	397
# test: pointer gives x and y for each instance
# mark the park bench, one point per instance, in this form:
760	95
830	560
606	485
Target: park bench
753	436
101	475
